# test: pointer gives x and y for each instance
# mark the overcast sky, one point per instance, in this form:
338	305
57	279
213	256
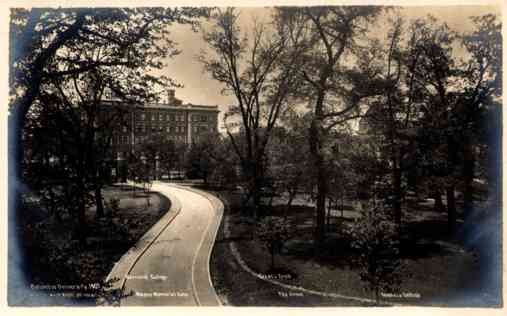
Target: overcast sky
199	88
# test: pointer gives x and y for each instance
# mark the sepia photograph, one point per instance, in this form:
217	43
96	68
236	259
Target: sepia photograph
304	155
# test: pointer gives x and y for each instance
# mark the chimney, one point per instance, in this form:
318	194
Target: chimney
170	96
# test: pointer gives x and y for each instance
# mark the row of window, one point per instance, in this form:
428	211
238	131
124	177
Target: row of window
200	118
197	129
121	155
161	117
160	128
171	117
125	140
141	128
121	140
142	139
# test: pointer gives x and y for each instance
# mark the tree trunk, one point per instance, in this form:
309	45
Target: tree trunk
289	203
16	123
251	173
81	230
451	209
316	140
16	120
342	206
256	197
54	206
272	257
99	201
468	177
397	194
21	106
452	161
439	204
81	214
328	219
321	206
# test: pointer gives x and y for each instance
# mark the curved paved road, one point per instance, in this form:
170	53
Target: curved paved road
174	268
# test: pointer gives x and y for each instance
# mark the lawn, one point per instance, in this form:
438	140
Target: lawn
53	258
437	269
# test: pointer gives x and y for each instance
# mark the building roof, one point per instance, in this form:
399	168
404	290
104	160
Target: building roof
187	106
171	103
166	106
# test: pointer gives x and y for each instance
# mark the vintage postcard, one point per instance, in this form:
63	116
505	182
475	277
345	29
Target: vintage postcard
340	154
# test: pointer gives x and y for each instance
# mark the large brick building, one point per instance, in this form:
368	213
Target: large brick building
182	123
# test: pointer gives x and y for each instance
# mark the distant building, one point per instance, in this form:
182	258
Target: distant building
184	123
173	120
129	125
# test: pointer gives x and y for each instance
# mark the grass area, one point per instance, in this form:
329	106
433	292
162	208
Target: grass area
436	266
235	286
54	257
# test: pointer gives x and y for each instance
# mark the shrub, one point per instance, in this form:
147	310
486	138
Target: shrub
113	204
375	238
273	232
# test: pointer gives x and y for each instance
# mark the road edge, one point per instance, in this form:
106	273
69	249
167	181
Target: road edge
117	275
206	295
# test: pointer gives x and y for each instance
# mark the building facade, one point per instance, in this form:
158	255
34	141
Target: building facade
172	120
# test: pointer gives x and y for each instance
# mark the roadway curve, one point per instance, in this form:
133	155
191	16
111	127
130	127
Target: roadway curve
170	264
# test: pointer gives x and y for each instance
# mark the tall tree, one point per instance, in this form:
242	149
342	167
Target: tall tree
482	79
68	56
413	104
388	115
329	36
435	77
42	38
260	74
288	165
456	98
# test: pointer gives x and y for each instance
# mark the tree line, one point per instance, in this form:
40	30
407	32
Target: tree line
324	103
325	107
329	108
62	61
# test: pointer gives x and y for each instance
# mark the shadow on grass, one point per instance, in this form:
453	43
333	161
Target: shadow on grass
123	187
426	239
234	239
52	255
